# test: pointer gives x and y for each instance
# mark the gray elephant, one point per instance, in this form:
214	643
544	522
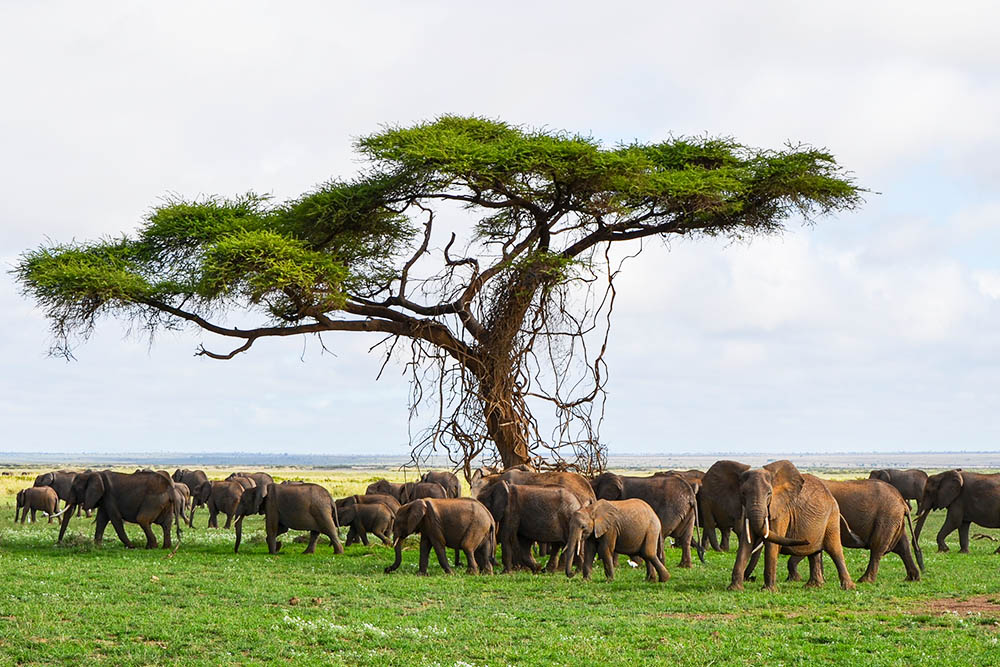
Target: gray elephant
878	517
969	497
789	511
446	523
285	507
719	500
36	499
374	518
910	482
259	478
192	479
448	481
220	498
242	480
414	490
145	498
60	481
671	497
385	487
611	527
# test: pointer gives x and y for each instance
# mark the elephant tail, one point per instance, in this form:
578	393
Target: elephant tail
848	537
696	541
917	553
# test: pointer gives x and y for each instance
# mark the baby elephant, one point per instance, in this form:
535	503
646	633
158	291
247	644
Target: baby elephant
363	518
612	527
453	523
36	498
291	507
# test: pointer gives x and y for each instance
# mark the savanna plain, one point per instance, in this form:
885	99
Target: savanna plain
203	604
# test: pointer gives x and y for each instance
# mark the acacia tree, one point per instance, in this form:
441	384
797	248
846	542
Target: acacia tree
498	317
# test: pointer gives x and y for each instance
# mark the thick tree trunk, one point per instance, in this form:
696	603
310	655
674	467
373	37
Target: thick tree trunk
505	425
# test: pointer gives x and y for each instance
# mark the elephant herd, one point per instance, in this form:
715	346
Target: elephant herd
775	509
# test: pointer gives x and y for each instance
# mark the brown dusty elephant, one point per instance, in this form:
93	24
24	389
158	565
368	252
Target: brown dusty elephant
36	499
612	527
145	498
220	497
414	490
910	482
385	487
448	481
970	498
719	500
285	507
671	497
374	518
572	482
791	512
447	523
878	516
528	514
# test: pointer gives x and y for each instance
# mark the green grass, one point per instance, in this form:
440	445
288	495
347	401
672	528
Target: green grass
82	604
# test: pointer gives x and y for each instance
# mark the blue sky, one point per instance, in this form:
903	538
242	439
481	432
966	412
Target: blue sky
878	330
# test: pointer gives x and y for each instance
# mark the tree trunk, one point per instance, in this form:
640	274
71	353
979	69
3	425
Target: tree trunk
505	425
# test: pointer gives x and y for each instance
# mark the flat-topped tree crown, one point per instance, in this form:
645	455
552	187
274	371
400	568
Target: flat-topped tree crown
355	255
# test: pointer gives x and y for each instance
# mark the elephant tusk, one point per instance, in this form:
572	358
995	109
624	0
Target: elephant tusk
757	548
767	527
57	513
746	524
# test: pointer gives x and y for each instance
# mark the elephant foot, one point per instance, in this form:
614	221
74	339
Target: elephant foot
848	586
867	579
735	587
943	549
421	573
277	547
963	551
794	577
685	564
773	588
912	577
814	583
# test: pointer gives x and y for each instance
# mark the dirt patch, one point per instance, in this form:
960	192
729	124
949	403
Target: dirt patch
978	604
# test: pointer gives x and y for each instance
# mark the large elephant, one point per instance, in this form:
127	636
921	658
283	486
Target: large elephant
447	523
220	497
374	518
525	514
285	507
385	487
612	527
719	500
878	516
448	481
970	498
789	511
671	497
35	499
910	482
145	498
414	490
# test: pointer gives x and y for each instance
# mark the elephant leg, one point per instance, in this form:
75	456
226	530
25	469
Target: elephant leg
963	537
150	538
816	578
793	568
771	566
165	525
837	554
99	525
554	558
360	534
191	517
24	515
33	510
212	518
229	520
725	538
685	542
951	523
329	528
313	538
119	525
471	557
739	567
708	532
652	560
425	552
458	560
902	549
527	559
442	555
607	557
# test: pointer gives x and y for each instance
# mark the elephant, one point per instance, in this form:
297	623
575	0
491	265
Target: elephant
369	517
789	511
910	482
877	515
193	479
970	498
414	490
182	501
381	498
521	475
612	527
526	514
719	500
285	507
374	518
671	497
60	481
242	480
144	498
220	497
385	487
36	498
447	523
259	478
448	481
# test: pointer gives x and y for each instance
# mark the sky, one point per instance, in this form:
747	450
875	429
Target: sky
874	330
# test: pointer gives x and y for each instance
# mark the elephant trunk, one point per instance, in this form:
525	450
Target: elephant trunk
756	524
399	554
574	547
239	534
920	524
67	515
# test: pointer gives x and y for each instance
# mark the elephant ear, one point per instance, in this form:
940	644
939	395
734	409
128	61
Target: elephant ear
881	475
94	491
786	483
950	488
259	494
610	487
601	515
203	491
416	511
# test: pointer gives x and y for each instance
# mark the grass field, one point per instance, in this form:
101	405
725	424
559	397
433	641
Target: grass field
81	604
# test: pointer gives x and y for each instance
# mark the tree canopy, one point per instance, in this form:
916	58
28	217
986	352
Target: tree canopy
494	318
